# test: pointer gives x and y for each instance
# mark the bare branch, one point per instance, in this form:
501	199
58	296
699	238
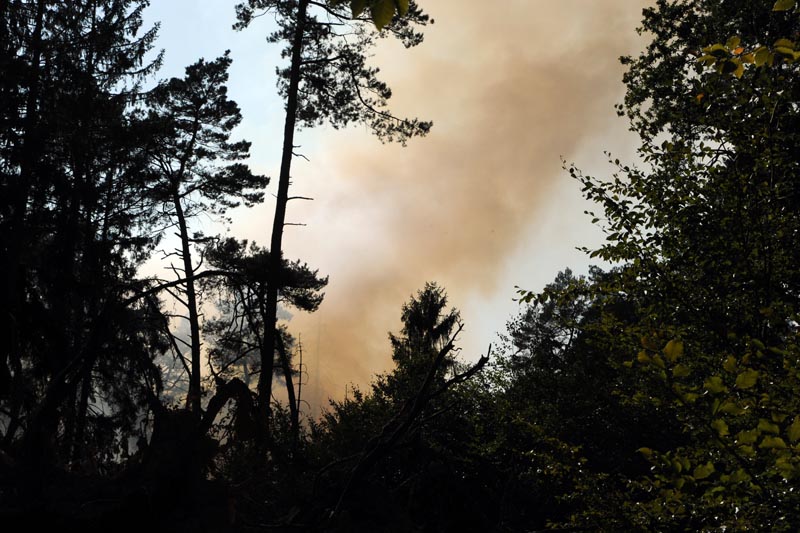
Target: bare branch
175	283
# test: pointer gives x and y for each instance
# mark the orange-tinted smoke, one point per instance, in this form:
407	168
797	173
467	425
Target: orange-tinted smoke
512	86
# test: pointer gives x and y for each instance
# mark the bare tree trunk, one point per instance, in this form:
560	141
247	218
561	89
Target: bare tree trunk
276	242
194	396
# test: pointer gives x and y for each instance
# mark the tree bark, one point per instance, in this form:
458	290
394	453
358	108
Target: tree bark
194	397
294	408
276	242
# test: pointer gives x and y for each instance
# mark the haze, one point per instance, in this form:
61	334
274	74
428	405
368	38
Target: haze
480	205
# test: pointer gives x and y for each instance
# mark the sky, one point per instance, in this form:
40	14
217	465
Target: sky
480	205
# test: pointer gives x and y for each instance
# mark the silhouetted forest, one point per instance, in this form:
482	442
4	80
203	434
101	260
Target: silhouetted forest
658	393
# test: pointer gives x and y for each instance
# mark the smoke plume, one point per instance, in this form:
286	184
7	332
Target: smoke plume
512	86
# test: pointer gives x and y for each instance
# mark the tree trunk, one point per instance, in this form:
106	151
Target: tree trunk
294	412
276	242
194	396
77	443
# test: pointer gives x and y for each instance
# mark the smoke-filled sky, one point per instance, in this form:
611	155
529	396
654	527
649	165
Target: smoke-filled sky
479	206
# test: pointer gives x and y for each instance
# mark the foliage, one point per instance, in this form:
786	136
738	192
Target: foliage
658	395
76	363
702	233
198	171
336	84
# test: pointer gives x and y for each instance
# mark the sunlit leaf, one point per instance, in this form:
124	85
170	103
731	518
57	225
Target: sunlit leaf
721	427
762	56
681	371
673	350
783	5
747	451
747	437
778	417
730	364
703	471
731	408
747	379
714	385
767	426
772	443
733	43
785	468
707	60
793	432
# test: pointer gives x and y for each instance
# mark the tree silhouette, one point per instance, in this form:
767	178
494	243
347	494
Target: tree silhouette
199	171
327	81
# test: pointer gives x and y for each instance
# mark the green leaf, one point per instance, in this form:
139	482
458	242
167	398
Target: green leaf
647	452
721	427
716	50
703	471
747	451
731	408
681	371
707	60
382	13
747	437
785	467
783	5
773	443
714	385
730	364
793	432
784	43
767	426
778	417
673	350
402	6
740	476
733	42
762	56
747	379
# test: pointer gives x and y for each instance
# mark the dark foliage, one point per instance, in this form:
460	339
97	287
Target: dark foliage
659	395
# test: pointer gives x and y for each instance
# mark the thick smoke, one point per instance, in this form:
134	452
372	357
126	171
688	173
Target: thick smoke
512	86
